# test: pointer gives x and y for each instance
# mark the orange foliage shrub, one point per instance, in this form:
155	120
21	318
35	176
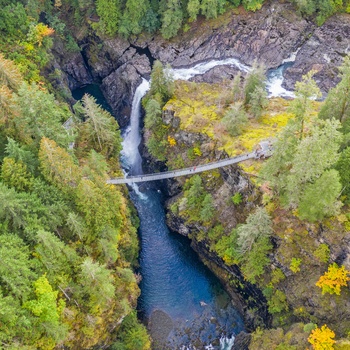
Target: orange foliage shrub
322	338
171	141
333	279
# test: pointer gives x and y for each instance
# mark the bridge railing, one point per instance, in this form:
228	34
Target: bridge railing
182	172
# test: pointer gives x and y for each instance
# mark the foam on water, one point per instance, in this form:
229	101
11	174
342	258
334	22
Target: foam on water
203	67
132	138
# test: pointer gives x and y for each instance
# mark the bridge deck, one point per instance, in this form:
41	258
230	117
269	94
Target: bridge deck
182	172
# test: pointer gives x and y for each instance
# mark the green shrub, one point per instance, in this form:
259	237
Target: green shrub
309	327
322	253
236	198
295	265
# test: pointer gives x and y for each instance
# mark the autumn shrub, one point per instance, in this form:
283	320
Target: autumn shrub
295	265
322	338
335	278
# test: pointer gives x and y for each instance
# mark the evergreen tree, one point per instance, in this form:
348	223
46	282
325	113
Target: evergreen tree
320	198
15	174
343	167
235	119
258	101
57	165
252	5
103	128
337	103
277	168
110	13
255	79
171	17
39	116
162	83
212	8
9	74
16	268
319	151
133	17
21	154
305	91
153	114
193	9
208	209
58	259
97	283
258	225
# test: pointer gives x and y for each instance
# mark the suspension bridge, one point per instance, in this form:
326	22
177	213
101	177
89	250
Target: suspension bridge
261	153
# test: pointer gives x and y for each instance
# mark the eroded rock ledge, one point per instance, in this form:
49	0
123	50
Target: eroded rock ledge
270	36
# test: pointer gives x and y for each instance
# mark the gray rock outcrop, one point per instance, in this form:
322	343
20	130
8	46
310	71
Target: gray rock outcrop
324	51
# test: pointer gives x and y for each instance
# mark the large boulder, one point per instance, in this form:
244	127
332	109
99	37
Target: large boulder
119	87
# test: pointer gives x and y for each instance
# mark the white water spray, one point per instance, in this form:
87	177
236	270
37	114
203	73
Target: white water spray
132	138
275	81
226	343
203	67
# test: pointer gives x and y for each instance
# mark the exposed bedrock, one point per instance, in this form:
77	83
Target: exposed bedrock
270	36
324	51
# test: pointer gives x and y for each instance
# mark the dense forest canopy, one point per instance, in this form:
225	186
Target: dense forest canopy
68	242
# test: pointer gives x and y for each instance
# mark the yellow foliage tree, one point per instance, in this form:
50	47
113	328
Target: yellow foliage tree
9	74
57	165
333	279
38	32
322	338
171	141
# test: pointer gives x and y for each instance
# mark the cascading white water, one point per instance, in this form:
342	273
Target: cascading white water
131	157
275	79
203	67
226	343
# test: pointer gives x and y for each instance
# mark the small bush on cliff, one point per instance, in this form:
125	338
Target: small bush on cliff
295	265
236	198
333	279
322	253
322	338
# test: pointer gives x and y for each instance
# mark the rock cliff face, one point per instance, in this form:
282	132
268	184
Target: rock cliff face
269	36
324	52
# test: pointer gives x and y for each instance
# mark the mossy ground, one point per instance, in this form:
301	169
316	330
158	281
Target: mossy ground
201	107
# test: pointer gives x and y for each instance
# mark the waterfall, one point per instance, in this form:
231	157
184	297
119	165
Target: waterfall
226	343
131	158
